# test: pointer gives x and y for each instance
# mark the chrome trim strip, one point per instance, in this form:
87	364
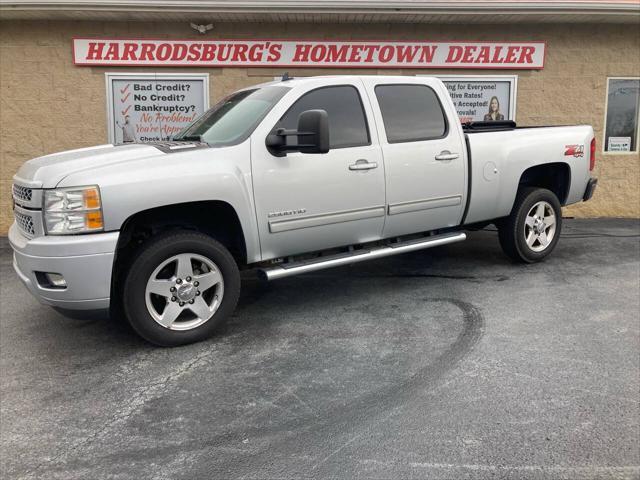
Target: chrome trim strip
27	183
325	219
36	193
426	204
275	273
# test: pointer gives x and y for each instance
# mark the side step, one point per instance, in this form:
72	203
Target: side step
296	268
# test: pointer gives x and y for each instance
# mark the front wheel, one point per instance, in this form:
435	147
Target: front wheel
180	288
532	230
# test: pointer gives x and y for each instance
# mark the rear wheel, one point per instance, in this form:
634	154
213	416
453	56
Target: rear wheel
180	288
532	230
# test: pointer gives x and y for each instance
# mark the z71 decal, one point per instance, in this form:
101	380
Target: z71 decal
574	151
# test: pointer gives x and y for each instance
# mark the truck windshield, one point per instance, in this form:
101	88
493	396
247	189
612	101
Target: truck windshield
233	119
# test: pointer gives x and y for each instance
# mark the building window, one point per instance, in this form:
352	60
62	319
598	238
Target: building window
621	122
483	98
410	113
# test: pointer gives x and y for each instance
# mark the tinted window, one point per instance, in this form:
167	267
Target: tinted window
410	113
347	122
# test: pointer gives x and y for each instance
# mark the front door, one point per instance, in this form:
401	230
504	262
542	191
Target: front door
308	202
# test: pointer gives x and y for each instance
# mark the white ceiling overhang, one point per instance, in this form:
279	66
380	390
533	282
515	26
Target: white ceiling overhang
343	11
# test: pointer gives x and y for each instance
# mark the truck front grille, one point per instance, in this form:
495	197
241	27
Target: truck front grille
25	224
22	194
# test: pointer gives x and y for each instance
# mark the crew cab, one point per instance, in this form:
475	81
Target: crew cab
285	177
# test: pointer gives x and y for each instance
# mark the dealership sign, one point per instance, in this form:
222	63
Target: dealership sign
305	53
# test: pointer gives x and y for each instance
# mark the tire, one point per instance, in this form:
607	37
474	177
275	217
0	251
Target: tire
180	289
523	236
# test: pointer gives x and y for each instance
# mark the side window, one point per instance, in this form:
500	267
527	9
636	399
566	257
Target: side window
411	113
347	122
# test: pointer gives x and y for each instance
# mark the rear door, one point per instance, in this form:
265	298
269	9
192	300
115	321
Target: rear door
307	202
424	155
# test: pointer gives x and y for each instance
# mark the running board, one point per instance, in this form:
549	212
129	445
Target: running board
296	268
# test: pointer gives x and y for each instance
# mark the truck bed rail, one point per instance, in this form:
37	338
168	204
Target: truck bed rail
496	126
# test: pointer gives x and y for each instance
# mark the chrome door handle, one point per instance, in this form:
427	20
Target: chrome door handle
446	155
363	165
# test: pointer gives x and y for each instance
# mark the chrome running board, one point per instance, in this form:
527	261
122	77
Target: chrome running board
306	266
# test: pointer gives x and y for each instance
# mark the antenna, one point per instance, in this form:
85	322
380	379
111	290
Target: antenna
286	77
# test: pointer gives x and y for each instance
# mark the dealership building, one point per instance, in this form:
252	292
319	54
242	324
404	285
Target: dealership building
81	73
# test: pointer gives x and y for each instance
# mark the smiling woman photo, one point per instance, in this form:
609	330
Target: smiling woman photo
494	111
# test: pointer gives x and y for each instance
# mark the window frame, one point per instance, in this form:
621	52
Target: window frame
442	110
364	113
604	123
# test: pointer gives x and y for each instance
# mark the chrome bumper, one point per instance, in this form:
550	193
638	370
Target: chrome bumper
85	262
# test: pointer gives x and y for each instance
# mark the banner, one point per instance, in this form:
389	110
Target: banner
482	98
303	53
153	107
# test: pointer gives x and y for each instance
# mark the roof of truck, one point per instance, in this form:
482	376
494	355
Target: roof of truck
294	81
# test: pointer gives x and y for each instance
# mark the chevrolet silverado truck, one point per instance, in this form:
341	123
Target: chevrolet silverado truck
286	177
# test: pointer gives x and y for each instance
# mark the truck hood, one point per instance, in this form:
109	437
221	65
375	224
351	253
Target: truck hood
50	170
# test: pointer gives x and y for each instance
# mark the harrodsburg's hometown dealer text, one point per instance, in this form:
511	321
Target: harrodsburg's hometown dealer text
309	53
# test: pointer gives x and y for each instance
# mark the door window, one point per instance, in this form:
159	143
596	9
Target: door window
411	113
347	121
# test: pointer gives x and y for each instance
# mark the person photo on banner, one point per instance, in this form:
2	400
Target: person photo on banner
494	111
128	134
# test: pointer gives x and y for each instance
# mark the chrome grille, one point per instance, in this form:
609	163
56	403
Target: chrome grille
25	223
20	193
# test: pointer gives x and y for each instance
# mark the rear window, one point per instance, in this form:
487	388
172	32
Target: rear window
411	113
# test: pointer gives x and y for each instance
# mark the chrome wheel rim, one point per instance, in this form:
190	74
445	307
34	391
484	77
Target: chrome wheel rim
184	291
540	226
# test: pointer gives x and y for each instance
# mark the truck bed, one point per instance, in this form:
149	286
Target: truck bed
502	154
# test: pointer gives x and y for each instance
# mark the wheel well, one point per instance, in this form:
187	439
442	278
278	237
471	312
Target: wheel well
215	218
552	176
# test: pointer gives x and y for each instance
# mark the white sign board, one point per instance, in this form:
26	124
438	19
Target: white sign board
307	53
150	107
619	144
482	98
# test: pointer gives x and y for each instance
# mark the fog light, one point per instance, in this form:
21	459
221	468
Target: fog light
56	280
51	280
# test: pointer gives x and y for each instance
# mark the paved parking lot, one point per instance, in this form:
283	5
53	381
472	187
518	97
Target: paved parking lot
448	363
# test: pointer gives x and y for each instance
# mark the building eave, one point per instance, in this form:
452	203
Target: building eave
356	11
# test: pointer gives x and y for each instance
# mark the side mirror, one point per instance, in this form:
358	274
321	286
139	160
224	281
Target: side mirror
312	135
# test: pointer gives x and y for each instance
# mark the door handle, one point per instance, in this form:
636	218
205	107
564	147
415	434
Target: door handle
363	165
446	155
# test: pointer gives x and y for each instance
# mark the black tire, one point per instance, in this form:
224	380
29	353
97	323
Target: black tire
153	254
511	230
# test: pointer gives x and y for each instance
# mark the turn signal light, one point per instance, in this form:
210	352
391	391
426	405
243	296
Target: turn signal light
94	220
592	154
91	198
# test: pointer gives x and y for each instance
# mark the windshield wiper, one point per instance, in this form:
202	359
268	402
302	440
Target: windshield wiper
189	138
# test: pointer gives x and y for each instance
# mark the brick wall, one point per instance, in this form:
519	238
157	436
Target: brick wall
47	104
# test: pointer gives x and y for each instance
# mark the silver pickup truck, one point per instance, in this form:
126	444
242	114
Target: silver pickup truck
286	177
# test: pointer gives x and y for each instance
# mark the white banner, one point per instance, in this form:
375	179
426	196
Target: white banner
482	98
153	107
304	53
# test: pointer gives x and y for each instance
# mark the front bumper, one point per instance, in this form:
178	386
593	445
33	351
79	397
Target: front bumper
85	262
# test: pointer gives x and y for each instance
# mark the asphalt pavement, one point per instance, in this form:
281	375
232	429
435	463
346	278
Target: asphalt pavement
450	363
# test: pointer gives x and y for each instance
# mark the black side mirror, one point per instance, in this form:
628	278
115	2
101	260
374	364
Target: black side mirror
312	133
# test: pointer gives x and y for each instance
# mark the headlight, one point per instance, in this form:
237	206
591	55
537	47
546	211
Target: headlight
73	210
